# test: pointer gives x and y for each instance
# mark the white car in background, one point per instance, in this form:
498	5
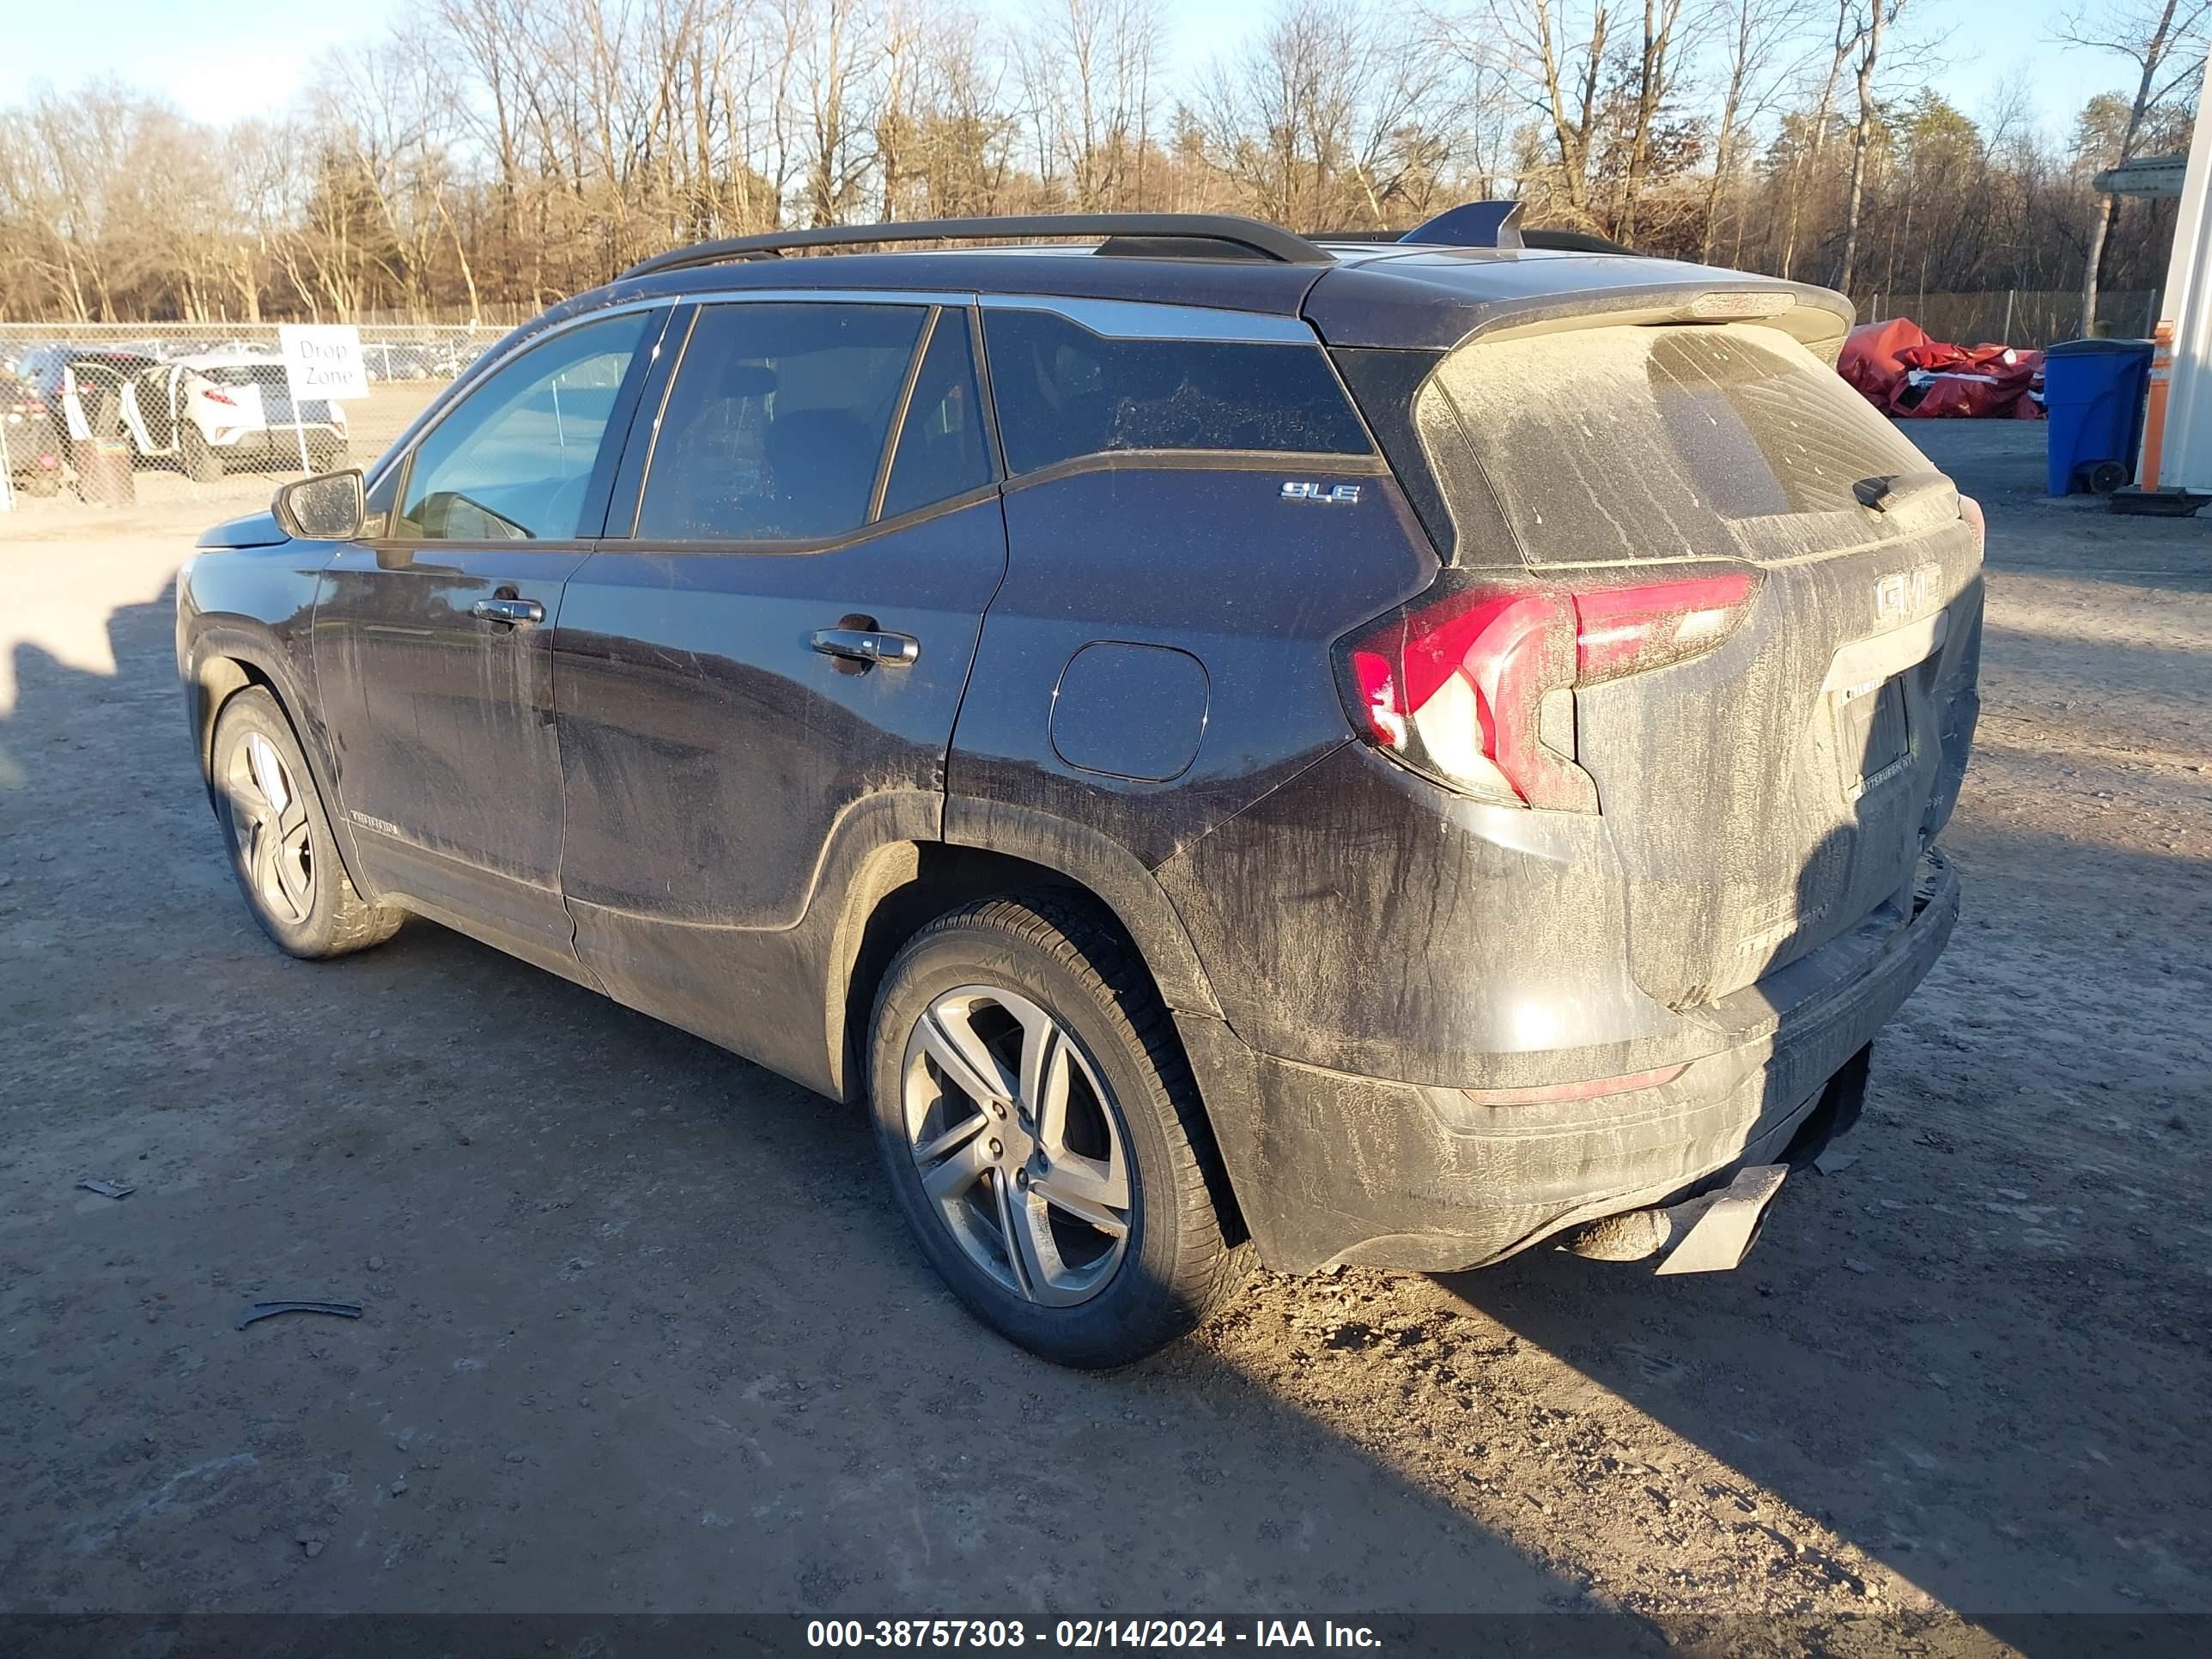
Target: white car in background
221	409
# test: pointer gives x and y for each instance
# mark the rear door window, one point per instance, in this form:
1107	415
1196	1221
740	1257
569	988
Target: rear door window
775	425
1607	444
1063	391
941	449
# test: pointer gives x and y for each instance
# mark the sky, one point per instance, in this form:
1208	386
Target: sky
217	59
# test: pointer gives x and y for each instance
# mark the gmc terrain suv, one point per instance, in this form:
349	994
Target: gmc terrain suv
1231	746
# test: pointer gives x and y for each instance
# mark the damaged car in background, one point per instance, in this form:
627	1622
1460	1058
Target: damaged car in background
1230	747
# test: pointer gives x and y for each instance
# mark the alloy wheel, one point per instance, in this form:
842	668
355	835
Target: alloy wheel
1018	1142
269	824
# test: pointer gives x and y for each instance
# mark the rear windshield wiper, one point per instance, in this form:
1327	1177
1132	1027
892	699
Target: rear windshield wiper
1873	492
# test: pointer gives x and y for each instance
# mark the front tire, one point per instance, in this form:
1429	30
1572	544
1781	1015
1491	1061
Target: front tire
280	849
1043	1136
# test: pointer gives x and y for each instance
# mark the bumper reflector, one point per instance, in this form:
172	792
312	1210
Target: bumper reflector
1588	1089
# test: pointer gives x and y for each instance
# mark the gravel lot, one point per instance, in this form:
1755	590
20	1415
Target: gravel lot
643	1332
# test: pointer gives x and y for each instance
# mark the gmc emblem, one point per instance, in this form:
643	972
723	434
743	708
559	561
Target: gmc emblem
1901	593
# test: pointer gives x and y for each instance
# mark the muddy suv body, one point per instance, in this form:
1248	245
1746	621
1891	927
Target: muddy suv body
1387	753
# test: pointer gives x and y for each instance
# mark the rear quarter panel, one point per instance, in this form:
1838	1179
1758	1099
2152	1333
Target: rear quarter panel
1212	562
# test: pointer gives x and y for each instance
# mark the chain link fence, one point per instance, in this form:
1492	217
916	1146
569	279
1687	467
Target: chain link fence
102	415
2016	317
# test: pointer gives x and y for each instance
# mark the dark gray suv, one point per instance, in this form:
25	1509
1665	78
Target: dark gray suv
1231	746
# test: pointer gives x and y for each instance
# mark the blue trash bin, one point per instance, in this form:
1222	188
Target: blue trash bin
2093	392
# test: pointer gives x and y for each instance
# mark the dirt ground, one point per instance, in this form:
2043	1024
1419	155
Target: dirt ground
642	1331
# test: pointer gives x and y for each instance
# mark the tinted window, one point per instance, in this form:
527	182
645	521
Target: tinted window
776	422
514	461
1064	392
1663	443
941	451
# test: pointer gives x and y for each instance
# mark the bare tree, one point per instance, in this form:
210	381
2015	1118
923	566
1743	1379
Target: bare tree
1805	162
1091	72
2165	40
493	154
1332	117
1867	45
1751	35
1553	57
1654	81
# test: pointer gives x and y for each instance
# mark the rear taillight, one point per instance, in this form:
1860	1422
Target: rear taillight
215	397
1631	630
1971	511
1458	687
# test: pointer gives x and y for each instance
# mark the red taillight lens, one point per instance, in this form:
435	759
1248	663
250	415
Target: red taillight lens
1458	688
1971	511
215	397
1629	630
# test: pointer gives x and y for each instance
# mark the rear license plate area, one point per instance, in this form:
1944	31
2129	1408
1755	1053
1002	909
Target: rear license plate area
1874	734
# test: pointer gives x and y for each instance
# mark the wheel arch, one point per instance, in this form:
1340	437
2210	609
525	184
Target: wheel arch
226	664
988	848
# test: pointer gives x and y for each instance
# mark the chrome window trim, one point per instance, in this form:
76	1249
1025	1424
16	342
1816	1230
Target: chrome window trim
842	296
1146	319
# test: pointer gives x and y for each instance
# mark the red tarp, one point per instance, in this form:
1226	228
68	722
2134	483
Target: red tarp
1901	372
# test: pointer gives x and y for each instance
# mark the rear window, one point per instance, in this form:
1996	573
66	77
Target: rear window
1064	392
1607	444
267	373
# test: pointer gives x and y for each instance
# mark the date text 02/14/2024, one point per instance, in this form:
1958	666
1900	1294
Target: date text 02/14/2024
1078	1634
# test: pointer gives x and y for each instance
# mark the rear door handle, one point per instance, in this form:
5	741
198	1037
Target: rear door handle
866	645
516	613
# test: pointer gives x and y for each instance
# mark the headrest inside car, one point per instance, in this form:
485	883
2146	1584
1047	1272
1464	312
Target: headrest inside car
748	380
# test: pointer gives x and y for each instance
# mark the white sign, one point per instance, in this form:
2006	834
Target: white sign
323	360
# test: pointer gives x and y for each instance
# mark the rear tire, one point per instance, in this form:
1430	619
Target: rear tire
1074	1212
280	849
202	464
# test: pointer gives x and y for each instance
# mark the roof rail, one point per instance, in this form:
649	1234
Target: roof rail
1209	235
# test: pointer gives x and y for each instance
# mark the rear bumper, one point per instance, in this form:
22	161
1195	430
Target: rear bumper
1330	1167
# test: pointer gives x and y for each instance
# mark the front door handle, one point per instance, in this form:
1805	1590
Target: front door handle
866	645
516	613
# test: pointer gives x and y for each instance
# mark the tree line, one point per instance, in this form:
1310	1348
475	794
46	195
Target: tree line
485	157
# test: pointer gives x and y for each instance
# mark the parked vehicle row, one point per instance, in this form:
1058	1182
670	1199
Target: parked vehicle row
204	414
385	360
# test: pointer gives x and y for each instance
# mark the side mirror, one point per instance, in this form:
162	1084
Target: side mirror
328	507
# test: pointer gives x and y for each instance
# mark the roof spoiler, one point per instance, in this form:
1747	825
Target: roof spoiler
1472	224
